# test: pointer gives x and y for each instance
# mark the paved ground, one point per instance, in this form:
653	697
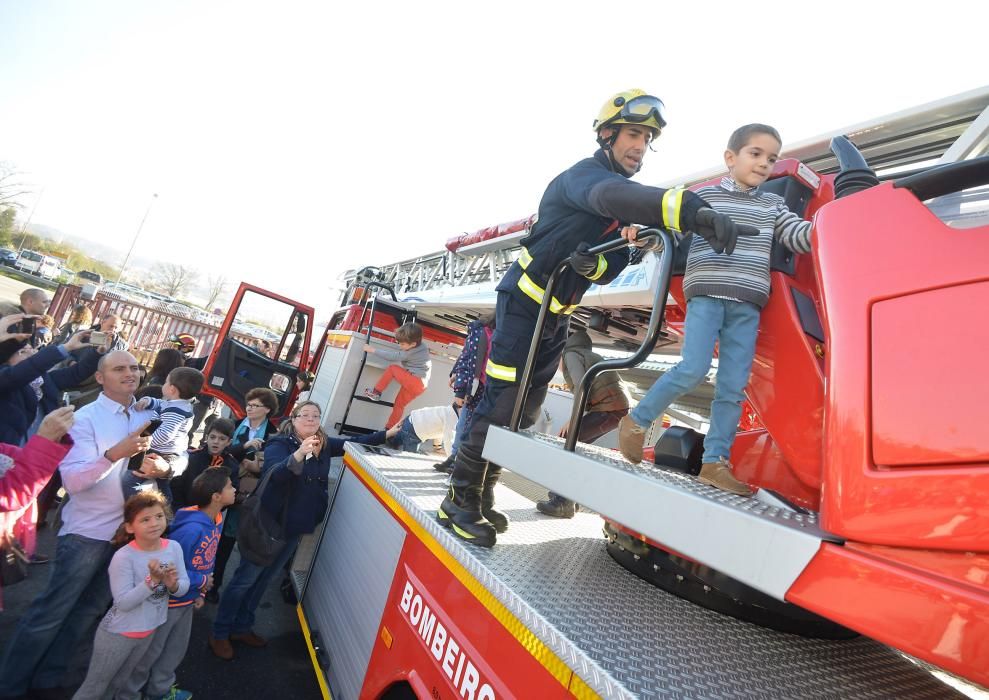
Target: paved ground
283	669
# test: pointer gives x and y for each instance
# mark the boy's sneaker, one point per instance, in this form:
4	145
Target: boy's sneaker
176	693
718	474
372	394
631	438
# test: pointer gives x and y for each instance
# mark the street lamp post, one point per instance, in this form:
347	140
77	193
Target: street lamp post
134	242
28	220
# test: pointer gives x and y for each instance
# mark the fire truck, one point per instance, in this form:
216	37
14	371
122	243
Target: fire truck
860	567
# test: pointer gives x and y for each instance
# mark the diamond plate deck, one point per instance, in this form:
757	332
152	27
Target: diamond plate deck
763	546
626	638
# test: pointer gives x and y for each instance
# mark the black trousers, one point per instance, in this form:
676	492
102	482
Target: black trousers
515	325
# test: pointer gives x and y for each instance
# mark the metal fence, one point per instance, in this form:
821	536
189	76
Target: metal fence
146	327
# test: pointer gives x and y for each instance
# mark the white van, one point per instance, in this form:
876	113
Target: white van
50	267
38	264
29	261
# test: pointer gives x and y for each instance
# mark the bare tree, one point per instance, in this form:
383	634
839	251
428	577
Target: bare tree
217	287
11	188
172	279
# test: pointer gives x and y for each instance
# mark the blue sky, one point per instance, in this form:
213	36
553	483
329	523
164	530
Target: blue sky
289	141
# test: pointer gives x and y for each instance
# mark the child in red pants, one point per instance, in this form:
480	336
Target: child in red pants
411	373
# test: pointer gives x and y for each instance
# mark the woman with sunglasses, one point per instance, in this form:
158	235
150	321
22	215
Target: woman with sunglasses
299	460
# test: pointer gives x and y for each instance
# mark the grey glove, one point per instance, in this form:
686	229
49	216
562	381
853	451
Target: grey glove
719	230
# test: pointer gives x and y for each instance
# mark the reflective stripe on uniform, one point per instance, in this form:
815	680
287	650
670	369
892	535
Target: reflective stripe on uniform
671	209
502	372
602	266
536	293
524	259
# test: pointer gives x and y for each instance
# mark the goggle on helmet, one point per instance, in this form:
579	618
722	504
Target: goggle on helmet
632	107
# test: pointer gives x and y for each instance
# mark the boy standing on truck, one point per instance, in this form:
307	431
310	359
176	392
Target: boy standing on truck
725	296
412	372
583	206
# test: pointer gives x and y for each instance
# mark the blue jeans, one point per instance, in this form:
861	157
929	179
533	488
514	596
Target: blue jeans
242	595
407	439
463	427
734	325
61	619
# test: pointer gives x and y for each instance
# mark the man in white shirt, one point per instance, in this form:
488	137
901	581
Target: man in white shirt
62	619
430	423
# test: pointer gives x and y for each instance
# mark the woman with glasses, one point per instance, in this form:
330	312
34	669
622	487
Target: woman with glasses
298	458
249	438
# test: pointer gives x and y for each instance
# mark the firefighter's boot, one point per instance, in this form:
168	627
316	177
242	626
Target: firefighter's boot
557	506
446	466
495	517
461	509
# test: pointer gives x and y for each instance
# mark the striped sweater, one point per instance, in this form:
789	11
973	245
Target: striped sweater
743	275
172	437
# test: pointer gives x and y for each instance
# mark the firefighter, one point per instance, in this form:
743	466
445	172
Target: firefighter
583	206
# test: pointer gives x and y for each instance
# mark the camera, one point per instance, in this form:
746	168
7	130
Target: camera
28	325
250	454
98	338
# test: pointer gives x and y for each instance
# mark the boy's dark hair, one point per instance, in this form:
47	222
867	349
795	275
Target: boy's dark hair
409	333
212	480
187	380
224	426
740	137
264	395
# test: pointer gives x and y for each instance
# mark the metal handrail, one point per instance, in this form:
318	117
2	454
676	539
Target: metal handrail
664	266
367	340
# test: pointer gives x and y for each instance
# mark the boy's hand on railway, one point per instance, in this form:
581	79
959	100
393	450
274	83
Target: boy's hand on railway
631	234
369	349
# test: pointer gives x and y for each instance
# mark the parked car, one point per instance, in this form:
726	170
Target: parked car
94	277
8	257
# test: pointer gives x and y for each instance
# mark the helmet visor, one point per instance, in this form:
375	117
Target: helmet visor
643	109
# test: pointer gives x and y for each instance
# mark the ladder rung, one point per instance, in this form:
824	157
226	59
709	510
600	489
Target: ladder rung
361	397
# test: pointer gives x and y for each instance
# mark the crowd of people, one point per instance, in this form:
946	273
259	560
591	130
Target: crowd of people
146	525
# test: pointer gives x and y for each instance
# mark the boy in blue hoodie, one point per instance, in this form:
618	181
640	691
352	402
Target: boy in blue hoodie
197	529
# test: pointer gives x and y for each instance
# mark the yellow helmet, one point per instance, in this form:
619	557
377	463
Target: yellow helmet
632	107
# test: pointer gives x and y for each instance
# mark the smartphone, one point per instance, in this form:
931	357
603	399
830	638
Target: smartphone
28	325
98	338
135	462
152	427
66	401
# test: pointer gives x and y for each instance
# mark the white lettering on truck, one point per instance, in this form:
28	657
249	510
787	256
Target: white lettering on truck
468	674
